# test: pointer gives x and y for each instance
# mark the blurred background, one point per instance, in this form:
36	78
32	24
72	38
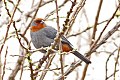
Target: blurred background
93	29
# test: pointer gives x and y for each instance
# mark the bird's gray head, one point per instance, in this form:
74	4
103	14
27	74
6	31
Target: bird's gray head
37	24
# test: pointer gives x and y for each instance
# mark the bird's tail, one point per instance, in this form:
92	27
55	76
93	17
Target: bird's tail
76	53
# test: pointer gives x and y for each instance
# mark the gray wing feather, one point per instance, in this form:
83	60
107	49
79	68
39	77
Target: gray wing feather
51	33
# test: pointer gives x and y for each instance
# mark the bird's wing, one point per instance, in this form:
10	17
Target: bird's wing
51	33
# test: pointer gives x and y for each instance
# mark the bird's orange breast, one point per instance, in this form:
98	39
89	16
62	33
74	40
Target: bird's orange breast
36	28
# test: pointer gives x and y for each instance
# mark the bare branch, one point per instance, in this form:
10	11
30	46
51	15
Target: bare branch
96	21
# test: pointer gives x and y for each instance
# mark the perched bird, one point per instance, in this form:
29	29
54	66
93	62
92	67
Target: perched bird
43	35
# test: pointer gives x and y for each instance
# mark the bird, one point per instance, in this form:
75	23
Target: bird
42	35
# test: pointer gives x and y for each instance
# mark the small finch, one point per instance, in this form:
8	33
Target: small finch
43	35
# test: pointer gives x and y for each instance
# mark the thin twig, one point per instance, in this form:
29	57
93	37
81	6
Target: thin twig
96	21
4	66
21	73
57	15
116	62
7	8
62	66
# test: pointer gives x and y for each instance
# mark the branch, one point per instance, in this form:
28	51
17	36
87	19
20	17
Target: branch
7	8
96	21
4	66
116	62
